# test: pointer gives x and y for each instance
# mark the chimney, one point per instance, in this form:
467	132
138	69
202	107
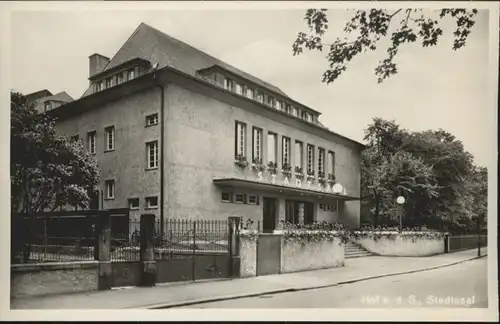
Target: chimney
97	62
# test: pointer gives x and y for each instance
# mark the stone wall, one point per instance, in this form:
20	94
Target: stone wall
296	256
402	244
248	257
53	278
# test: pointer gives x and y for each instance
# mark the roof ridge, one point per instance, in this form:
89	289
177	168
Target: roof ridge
203	52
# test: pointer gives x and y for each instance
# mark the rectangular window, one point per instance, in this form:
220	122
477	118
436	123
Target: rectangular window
119	78
270	101
249	93
310	159
308	117
272	141
260	96
240	139
239	89
279	105
288	108
303	114
109	82
91	138
296	112
292	211
285	158
253	200
226	197
130	74
151	119
98	86
152	153
152	202
239	198
257	145
228	84
299	154
133	203
110	189
331	162
110	138
321	161
47	105
74	138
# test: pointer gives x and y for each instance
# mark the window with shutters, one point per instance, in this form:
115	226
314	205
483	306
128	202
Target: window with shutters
310	159
285	158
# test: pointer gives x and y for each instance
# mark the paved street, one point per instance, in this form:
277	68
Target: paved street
464	281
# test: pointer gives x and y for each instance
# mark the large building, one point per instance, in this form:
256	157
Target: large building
181	134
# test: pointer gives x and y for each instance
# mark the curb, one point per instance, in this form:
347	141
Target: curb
284	290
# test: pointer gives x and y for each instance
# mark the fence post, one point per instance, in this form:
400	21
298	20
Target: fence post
446	243
104	250
148	277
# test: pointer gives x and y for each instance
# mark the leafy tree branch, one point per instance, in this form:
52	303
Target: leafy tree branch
369	27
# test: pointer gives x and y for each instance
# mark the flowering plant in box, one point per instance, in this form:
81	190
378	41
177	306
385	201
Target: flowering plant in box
310	175
299	172
286	169
247	229
257	165
272	166
331	179
241	161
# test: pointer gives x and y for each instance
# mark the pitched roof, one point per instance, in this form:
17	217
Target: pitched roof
61	97
155	46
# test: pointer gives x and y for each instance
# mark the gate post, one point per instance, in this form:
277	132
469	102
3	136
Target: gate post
104	250
148	275
233	245
446	243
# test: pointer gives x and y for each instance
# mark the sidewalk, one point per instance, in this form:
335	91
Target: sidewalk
179	294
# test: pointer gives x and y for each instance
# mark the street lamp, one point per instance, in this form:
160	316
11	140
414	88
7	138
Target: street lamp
400	200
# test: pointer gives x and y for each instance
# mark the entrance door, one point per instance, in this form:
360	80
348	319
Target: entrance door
269	215
308	213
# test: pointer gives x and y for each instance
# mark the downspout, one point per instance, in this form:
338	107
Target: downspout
162	146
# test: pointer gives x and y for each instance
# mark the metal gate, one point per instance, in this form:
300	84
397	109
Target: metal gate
191	250
125	249
268	254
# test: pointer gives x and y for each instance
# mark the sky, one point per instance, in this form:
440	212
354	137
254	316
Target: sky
435	88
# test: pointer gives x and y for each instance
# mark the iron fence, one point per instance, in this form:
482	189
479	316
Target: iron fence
184	238
466	241
53	237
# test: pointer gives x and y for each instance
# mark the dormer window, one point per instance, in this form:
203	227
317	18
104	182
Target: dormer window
260	96
288	108
303	114
270	101
228	84
279	105
119	78
130	75
239	89
249	93
47	105
109	82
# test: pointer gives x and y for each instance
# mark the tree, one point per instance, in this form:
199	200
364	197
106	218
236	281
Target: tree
370	27
442	186
48	171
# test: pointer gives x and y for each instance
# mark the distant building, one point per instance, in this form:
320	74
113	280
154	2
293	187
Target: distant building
44	100
172	126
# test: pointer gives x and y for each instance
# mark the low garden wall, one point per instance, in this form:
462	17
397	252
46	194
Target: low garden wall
393	243
303	254
39	279
299	251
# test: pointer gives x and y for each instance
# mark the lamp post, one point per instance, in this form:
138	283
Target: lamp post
400	200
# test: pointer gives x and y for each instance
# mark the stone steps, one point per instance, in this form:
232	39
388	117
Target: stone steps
355	251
